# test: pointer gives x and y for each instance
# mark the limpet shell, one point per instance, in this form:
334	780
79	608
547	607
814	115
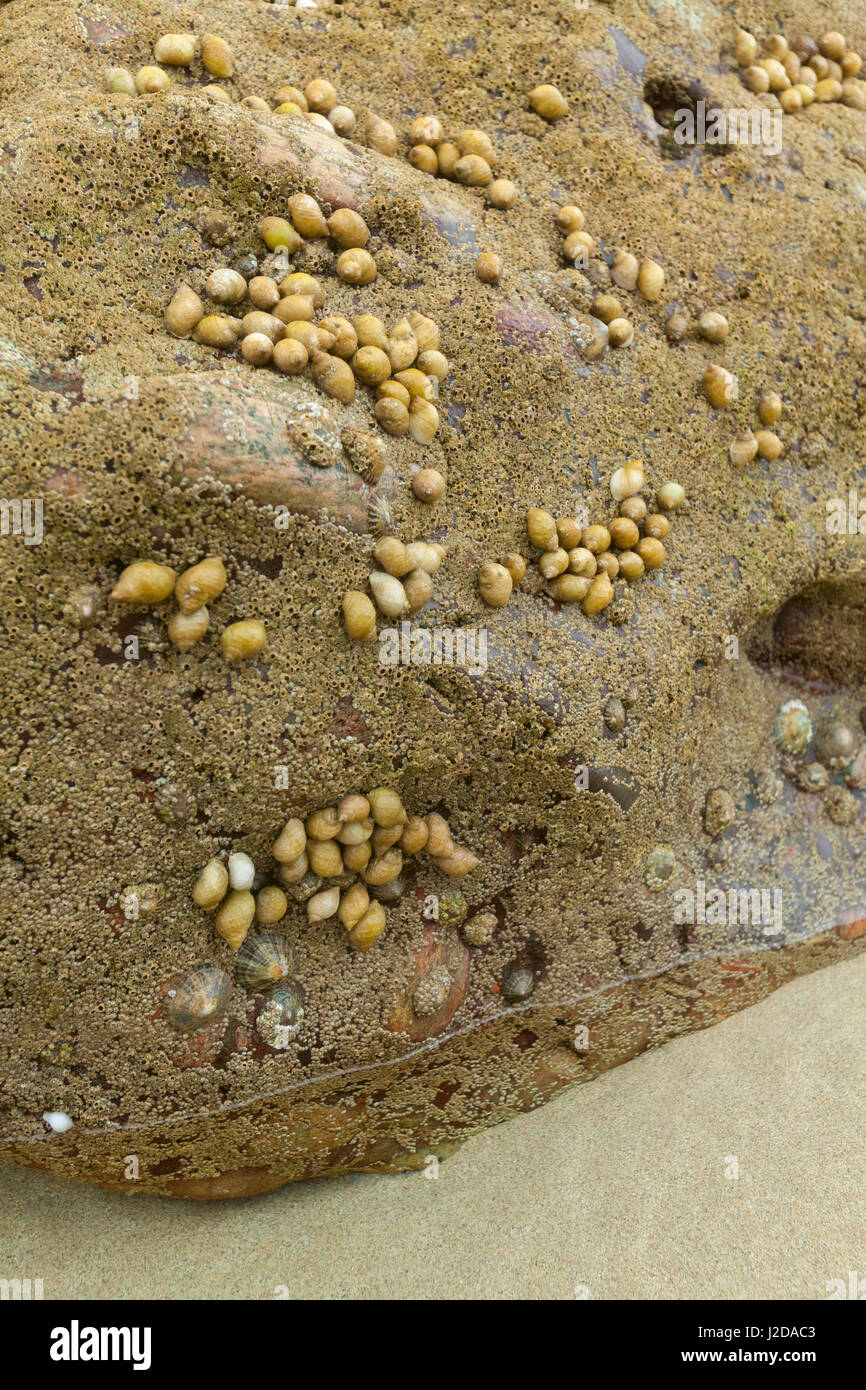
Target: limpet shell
366	453
452	909
479	930
84	607
518	985
812	777
431	991
264	960
835	742
379	517
840	805
768	786
719	811
719	853
281	1016
196	997
793	726
660	864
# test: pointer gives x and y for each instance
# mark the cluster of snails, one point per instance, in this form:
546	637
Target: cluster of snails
721	389
762	443
176	51
808	70
609	324
404	363
344	861
580	562
149	583
317	103
836	748
401	586
469	159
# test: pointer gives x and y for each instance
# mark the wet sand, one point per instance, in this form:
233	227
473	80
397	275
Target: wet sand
618	1188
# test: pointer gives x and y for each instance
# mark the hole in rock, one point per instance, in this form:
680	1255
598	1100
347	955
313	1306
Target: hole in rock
819	635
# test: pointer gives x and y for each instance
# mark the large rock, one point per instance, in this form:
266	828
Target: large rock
140	444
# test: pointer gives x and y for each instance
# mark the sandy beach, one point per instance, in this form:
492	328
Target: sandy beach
623	1189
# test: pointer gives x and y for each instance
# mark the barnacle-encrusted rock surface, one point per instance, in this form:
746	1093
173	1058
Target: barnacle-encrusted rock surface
144	445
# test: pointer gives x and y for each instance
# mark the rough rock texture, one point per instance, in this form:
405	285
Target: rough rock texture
141	444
